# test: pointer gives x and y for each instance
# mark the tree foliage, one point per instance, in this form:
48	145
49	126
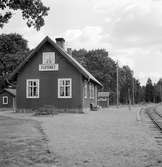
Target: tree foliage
32	10
103	68
158	91
149	91
13	50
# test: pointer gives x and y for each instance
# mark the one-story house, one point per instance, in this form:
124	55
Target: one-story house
8	98
51	76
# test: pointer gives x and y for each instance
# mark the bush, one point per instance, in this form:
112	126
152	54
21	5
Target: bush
46	110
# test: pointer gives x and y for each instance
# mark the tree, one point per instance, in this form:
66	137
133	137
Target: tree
100	65
79	55
138	92
125	84
13	50
32	10
149	91
158	91
103	68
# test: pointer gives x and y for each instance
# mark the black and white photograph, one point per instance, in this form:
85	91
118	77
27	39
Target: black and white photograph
80	83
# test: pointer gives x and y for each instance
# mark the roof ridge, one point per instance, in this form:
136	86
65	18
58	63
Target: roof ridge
77	65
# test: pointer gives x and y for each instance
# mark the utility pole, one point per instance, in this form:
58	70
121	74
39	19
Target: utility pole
117	85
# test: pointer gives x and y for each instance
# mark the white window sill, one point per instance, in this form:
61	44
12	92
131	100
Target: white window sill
64	97
32	97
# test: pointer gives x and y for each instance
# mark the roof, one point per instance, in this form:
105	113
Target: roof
11	91
74	62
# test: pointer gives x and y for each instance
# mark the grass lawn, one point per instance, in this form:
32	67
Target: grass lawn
23	144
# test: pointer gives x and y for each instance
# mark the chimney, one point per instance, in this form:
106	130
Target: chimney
69	51
60	42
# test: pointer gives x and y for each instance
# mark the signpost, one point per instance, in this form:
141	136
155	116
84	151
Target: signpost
103	99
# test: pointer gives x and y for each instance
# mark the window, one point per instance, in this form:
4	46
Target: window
5	100
64	88
49	58
96	94
91	90
32	88
95	91
85	89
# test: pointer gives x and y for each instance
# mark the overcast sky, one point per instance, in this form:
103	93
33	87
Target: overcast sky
131	30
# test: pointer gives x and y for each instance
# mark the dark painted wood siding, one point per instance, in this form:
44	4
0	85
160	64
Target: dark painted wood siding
10	100
49	83
87	101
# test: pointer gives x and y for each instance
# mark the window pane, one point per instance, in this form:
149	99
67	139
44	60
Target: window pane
34	91
49	58
67	90
61	83
30	83
34	83
61	91
67	82
30	91
5	100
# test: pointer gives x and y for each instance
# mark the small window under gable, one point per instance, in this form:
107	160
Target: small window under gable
5	100
48	62
48	58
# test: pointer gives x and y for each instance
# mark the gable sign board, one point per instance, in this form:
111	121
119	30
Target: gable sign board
48	67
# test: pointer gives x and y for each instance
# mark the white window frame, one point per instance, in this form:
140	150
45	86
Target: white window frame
64	79
91	90
3	101
27	88
85	89
46	55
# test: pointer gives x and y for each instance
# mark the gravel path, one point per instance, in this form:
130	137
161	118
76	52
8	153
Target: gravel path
112	138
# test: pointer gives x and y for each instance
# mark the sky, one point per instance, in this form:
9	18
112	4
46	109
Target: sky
130	30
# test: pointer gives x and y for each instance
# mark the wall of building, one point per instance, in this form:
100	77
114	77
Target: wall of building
87	101
49	83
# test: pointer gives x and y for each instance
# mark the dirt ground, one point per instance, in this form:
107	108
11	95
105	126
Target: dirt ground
23	144
112	138
159	108
108	138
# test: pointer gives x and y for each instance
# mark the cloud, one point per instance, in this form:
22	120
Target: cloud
137	25
89	37
129	29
